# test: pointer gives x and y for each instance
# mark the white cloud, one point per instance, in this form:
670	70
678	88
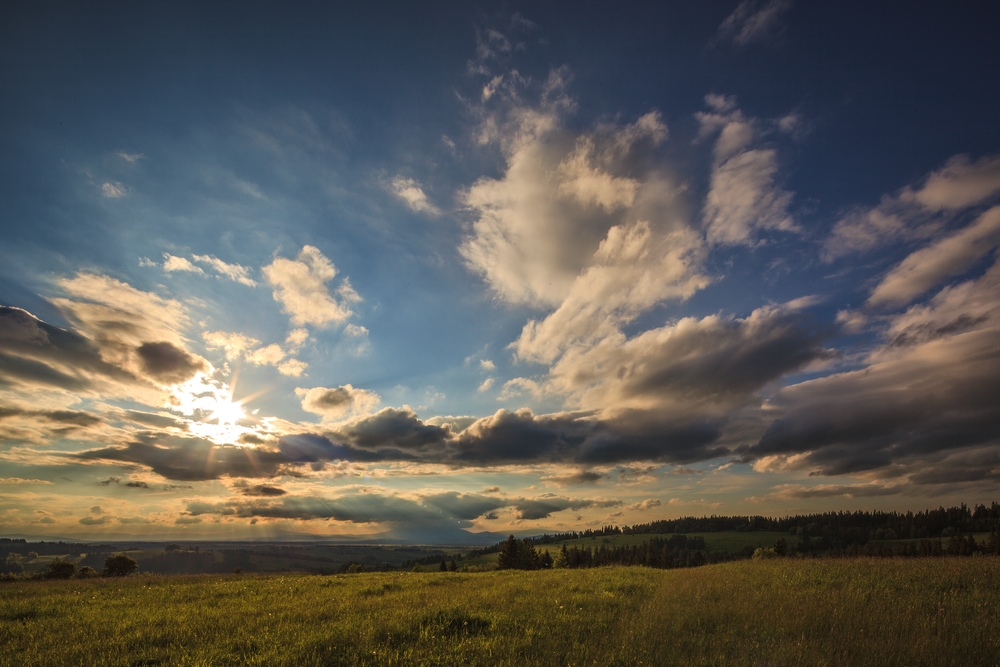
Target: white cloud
292	367
113	190
266	356
916	212
355	330
519	386
538	226
485	386
743	197
240	274
946	257
131	158
22	480
300	287
296	339
487	365
338	402
234	344
751	22
173	263
413	194
960	183
648	504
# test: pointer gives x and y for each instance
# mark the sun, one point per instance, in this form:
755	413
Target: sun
227	411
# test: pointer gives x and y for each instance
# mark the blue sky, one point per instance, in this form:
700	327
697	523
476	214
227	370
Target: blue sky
424	271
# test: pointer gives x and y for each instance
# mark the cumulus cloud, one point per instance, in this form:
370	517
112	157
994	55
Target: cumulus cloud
412	195
537	227
301	288
169	364
234	344
238	345
485	385
743	196
338	402
753	21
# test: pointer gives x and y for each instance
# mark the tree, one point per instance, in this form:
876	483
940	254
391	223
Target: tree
517	554
781	547
86	572
61	569
452	566
119	565
444	567
562	560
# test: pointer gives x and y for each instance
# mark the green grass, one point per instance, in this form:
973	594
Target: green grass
931	612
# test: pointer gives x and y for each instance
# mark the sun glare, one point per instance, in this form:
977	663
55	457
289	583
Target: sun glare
217	416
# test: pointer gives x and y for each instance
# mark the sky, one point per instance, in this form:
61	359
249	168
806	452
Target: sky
443	272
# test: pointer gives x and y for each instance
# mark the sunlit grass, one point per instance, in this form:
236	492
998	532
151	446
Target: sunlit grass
787	612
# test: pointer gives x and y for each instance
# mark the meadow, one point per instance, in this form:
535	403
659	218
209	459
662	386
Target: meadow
940	611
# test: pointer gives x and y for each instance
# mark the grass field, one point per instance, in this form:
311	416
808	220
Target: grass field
749	613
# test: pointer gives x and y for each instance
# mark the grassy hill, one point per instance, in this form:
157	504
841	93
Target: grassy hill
781	612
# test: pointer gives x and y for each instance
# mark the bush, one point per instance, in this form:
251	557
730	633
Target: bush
764	554
86	572
119	565
61	569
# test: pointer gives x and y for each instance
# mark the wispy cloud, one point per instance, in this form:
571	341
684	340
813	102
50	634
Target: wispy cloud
753	21
412	194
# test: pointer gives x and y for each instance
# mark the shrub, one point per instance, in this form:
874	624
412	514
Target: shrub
86	572
119	565
764	554
61	569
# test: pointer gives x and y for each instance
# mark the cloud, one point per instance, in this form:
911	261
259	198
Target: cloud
113	190
537	227
648	504
487	365
131	158
300	287
356	331
579	477
337	402
413	195
486	384
173	263
946	257
21	480
234	344
928	394
915	212
92	521
743	196
753	21
456	508
235	272
262	491
800	492
169	364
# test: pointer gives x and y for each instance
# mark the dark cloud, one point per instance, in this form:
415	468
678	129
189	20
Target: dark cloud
68	417
137	485
579	477
182	458
390	427
263	491
95	521
155	420
33	352
168	363
543	506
